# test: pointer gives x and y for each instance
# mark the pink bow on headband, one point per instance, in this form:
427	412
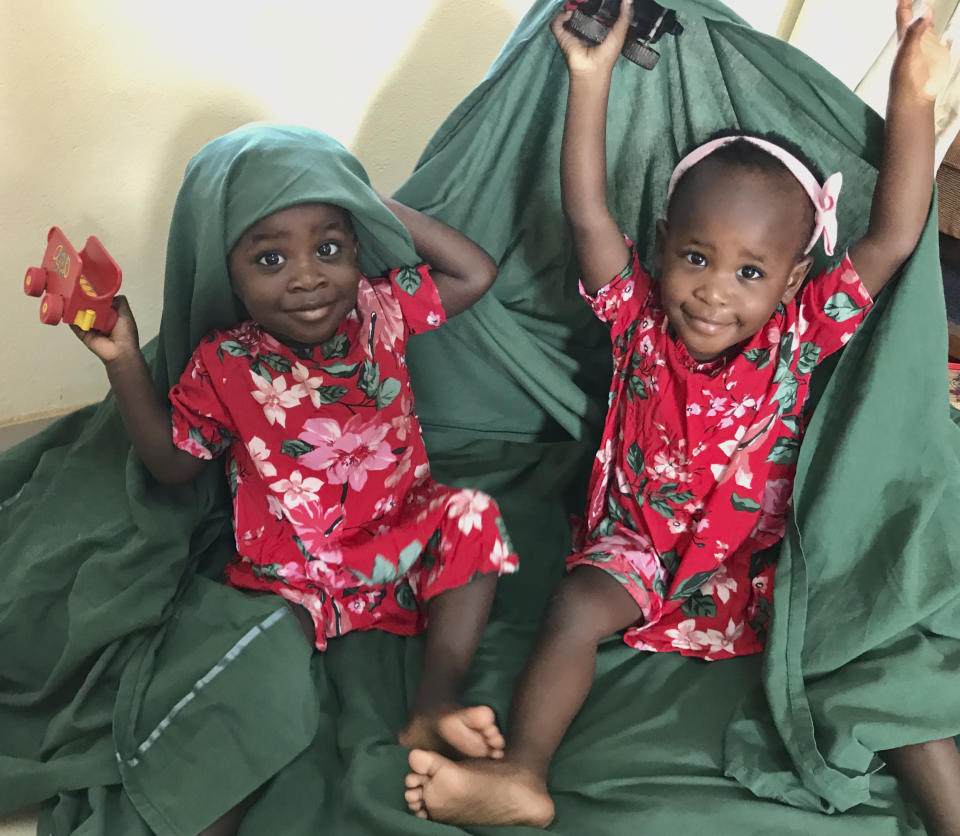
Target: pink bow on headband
824	197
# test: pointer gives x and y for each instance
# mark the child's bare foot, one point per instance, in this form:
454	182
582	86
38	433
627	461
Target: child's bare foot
476	792
455	730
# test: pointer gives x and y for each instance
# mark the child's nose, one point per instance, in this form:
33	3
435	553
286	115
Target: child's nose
711	290
308	275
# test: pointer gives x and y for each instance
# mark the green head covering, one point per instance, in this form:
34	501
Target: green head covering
230	184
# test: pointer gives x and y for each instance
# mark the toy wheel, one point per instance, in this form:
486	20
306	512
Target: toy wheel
35	281
51	309
640	54
588	28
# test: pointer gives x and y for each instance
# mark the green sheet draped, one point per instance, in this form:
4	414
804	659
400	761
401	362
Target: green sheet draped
142	696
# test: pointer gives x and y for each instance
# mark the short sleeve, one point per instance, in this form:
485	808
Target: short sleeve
832	307
630	288
419	300
201	423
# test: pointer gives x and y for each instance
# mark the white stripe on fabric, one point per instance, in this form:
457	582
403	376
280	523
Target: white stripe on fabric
205	680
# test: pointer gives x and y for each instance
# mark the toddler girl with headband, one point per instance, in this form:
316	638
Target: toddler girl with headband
712	367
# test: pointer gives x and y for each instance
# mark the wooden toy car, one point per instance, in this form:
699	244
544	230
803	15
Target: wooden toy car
77	288
591	20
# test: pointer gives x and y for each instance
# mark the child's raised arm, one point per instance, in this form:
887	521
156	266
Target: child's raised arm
598	241
901	200
145	416
462	270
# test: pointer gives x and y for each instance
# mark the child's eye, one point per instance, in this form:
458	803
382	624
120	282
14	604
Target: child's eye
328	249
695	258
748	271
271	259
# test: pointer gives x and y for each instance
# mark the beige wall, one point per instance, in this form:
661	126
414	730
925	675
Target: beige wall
102	102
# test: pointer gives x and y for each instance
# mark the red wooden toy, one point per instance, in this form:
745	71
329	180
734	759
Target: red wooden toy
77	288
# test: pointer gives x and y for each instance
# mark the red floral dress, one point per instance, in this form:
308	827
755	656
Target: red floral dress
334	507
694	476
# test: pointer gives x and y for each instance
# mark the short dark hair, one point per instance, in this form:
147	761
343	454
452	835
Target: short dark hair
748	155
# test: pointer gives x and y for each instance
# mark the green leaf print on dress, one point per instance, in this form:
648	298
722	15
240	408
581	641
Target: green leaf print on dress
841	307
408	280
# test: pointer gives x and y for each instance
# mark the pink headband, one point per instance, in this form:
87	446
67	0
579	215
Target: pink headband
824	197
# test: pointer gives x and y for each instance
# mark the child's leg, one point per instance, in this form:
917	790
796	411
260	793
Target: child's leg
588	605
455	621
931	774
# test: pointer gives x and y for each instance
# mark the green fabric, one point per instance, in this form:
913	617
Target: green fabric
143	696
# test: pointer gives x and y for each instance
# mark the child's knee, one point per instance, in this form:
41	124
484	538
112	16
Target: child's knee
591	603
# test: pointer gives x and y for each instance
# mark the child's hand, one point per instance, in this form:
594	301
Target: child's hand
121	343
589	58
922	66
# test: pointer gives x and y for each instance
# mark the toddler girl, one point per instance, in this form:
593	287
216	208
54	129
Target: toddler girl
712	366
309	401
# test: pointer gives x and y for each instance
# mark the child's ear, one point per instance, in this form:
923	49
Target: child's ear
796	277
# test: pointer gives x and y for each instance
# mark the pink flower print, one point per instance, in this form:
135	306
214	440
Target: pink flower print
349	453
384	506
274	397
773	508
194	448
403	423
305	384
467	507
254	339
499	558
274	507
292	573
724	642
669	469
421	472
261	457
693	409
646	324
646	346
296	489
686	636
676	526
627	292
433	319
703	525
845	338
720	584
389	329
253	534
357	604
314	526
636	549
773	334
401	469
760	584
721	550
717	405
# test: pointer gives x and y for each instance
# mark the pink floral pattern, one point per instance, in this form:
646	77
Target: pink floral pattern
694	477
334	507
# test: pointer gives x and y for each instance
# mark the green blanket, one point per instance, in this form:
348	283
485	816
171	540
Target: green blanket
140	695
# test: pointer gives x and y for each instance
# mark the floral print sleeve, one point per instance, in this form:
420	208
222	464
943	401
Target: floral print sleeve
201	424
831	308
416	294
628	290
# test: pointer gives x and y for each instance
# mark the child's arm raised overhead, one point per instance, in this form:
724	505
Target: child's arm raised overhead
901	200
145	416
598	241
462	270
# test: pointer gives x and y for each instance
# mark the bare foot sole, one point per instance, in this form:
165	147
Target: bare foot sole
482	792
466	732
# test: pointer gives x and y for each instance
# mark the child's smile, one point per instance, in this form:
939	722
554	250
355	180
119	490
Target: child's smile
296	272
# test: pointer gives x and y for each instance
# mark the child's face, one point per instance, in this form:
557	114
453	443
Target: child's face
296	272
730	254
